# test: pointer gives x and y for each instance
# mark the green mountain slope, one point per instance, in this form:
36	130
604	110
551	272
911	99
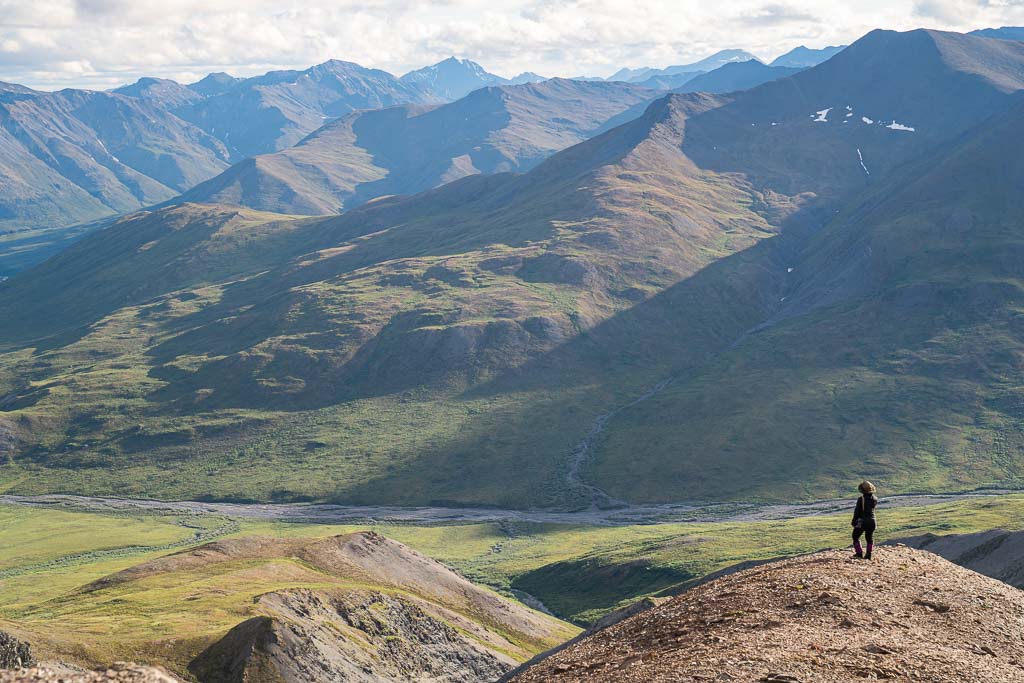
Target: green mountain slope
893	354
624	316
389	314
409	149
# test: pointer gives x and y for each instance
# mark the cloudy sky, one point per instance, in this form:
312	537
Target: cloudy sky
101	43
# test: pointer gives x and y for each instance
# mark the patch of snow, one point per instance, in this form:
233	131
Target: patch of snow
849	114
849	108
900	126
822	115
789	270
774	124
861	157
866	120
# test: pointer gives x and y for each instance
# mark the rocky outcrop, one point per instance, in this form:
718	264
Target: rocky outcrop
358	636
367	609
14	654
119	672
820	618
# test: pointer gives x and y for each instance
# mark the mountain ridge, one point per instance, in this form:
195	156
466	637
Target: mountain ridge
407	150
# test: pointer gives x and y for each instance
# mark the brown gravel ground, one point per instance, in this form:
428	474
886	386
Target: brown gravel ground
907	615
119	672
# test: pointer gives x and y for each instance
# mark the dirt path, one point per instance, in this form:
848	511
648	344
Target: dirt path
342	514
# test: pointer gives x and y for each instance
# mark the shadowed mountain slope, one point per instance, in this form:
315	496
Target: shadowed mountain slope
406	150
736	76
883	359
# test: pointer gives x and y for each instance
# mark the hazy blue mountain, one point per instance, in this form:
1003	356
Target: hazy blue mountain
1004	33
526	77
10	92
78	155
669	81
804	57
274	111
408	149
451	78
628	75
644	75
163	92
216	83
736	76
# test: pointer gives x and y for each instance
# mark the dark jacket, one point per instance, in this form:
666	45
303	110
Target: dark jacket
865	510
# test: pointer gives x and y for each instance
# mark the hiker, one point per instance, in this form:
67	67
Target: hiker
864	519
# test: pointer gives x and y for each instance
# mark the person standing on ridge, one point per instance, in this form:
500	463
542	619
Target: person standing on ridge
864	519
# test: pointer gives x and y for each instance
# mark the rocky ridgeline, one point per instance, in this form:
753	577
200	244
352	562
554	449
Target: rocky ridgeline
356	636
908	615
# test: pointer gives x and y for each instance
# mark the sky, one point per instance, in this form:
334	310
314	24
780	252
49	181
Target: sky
51	44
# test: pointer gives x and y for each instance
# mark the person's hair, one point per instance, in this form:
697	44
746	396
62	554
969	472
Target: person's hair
866	487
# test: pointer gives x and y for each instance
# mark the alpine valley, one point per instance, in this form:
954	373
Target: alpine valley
329	374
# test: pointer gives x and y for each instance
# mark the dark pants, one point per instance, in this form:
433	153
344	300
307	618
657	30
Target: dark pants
868	529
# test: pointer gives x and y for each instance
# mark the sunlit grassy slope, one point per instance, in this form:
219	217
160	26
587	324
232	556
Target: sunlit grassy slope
169	613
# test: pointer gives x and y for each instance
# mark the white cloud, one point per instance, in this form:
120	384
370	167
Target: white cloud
101	43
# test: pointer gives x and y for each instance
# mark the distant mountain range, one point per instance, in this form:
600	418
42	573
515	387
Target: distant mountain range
405	150
675	77
803	57
91	155
763	294
711	63
1004	33
454	78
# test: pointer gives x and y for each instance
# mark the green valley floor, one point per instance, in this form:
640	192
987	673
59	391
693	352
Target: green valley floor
578	572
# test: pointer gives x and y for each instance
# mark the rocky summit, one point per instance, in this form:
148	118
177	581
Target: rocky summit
907	615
